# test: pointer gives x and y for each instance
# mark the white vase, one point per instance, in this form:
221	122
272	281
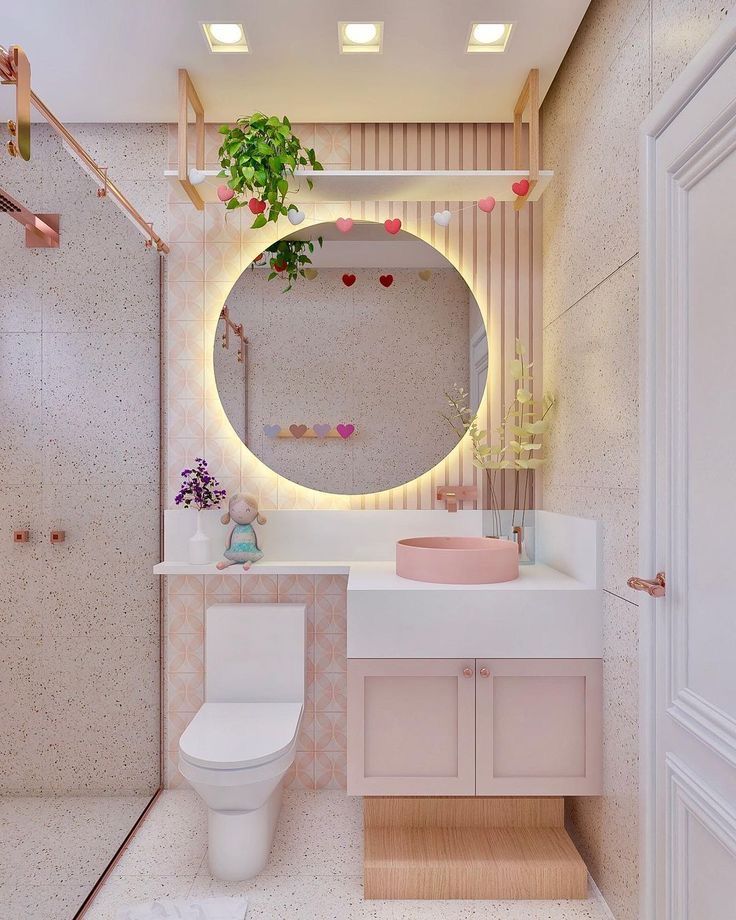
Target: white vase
200	551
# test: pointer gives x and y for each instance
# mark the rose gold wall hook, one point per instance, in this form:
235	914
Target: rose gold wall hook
102	190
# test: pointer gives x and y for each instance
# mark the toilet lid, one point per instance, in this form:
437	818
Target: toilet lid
226	736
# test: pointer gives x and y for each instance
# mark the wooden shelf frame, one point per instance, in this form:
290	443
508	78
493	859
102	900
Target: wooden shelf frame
188	97
528	98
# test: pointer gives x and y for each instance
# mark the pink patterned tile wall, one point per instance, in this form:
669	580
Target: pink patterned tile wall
322	754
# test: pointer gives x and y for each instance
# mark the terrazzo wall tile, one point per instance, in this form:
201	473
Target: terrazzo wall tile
680	28
83	434
622	58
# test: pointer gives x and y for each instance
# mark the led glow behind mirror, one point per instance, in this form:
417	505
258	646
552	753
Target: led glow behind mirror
342	387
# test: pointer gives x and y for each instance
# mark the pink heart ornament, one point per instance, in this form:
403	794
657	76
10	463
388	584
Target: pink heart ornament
345	431
224	192
487	204
344	224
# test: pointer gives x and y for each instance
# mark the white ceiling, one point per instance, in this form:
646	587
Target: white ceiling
116	60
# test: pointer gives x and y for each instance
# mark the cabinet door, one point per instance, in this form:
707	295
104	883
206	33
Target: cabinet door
538	726
411	726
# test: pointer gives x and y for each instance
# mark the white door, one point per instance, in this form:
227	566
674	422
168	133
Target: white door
689	492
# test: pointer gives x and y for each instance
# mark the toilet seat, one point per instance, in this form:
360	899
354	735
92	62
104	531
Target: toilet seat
237	736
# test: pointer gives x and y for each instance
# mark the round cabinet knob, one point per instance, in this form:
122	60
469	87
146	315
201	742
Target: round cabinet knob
484	672
467	672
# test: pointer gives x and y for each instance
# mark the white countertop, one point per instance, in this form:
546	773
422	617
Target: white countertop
381	576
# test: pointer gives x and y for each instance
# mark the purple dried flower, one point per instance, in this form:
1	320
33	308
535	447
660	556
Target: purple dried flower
199	488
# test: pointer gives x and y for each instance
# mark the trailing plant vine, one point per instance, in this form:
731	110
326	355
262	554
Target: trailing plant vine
258	156
290	258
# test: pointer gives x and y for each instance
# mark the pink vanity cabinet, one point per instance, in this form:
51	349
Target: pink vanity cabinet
465	726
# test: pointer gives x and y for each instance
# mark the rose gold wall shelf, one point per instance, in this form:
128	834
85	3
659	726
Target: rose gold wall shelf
188	96
13	71
528	98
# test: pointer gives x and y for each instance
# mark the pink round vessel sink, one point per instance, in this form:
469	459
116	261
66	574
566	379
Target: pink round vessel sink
457	560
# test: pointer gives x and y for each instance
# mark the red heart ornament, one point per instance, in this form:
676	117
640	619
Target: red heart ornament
279	266
386	280
348	280
520	188
487	204
298	430
345	431
256	206
392	226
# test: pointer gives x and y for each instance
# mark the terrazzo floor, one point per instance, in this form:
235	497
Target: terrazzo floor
54	848
315	871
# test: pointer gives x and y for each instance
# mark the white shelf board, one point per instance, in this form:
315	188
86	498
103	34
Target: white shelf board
437	185
258	568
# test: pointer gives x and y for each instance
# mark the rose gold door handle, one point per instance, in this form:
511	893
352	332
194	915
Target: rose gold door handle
654	588
467	672
484	672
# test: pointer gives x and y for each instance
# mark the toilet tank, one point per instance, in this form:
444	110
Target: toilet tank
254	653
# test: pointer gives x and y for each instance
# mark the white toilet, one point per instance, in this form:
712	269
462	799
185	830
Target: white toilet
238	747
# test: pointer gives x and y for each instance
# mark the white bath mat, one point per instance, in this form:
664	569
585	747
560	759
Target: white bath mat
187	909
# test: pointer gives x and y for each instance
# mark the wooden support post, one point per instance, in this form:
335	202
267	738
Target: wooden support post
188	96
529	97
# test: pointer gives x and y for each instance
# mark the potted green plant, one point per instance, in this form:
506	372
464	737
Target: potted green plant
259	156
289	258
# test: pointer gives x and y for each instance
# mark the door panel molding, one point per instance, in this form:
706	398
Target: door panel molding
688	797
656	696
697	715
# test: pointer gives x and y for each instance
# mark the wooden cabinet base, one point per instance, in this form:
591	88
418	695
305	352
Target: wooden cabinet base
474	848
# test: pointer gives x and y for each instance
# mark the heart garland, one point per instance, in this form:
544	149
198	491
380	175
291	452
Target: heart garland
345	431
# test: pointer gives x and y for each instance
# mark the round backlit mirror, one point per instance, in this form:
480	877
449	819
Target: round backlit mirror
344	377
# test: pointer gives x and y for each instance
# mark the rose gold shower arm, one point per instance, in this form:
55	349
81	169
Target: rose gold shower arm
8	75
42	230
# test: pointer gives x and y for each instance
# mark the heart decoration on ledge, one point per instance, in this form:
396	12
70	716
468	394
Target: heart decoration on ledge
224	192
272	431
442	218
521	188
344	224
392	226
425	274
298	430
256	207
386	280
310	273
296	217
487	204
348	280
345	431
321	430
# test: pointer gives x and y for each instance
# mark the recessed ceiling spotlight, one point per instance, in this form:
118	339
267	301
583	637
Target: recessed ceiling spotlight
360	36
489	36
225	36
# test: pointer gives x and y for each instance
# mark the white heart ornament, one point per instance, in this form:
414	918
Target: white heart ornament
296	217
442	218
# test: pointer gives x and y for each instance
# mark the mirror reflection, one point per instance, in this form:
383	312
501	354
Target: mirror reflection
337	381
